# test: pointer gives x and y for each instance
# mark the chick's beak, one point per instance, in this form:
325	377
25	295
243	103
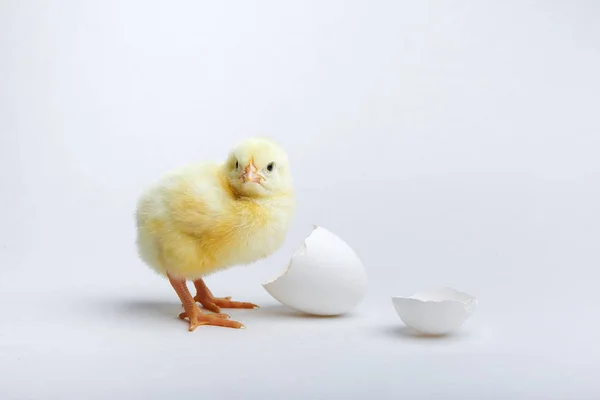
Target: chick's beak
251	173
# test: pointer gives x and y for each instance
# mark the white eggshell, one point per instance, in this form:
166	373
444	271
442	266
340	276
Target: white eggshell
436	311
324	277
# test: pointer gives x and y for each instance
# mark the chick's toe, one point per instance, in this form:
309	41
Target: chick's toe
214	304
199	318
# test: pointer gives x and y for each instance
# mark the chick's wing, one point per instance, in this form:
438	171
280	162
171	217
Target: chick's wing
197	200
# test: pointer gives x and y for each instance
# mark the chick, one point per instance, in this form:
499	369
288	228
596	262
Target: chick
207	217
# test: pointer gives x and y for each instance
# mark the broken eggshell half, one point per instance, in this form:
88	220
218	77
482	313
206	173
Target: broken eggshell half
324	277
435	311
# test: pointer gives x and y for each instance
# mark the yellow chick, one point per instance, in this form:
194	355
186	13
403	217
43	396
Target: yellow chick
206	217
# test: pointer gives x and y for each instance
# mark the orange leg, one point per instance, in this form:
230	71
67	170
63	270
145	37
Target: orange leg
212	303
193	313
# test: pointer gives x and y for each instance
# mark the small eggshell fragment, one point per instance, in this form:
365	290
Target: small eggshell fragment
435	311
324	277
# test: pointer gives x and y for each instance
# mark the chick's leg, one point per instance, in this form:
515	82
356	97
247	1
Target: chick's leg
193	313
212	303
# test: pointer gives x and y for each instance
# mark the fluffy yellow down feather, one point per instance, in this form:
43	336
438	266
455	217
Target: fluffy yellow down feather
205	217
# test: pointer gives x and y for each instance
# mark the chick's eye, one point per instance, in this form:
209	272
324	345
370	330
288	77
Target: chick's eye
237	164
270	167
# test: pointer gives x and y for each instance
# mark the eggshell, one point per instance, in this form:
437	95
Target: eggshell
435	311
324	277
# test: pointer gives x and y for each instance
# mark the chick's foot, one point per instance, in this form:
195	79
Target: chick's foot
214	304
193	313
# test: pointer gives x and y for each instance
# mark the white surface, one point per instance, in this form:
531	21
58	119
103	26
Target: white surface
325	277
454	145
435	311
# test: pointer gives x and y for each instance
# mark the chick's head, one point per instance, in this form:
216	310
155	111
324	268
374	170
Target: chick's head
259	167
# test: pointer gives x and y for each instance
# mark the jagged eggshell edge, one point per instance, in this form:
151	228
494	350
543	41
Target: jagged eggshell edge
436	311
324	277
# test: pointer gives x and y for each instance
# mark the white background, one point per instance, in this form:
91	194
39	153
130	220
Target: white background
450	143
